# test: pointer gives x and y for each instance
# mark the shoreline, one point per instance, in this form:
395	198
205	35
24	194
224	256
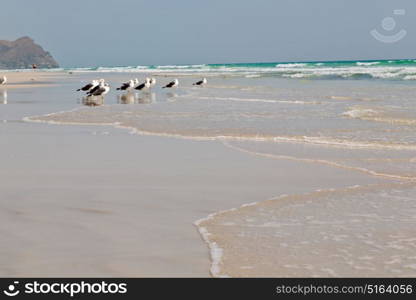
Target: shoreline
217	250
313	140
224	140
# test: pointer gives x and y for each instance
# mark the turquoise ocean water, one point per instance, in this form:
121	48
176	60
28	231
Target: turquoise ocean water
382	69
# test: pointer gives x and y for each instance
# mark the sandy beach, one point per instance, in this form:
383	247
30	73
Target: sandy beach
159	187
32	79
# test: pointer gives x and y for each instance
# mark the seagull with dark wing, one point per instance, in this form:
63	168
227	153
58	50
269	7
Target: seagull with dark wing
126	86
201	82
89	86
95	88
102	90
144	85
172	84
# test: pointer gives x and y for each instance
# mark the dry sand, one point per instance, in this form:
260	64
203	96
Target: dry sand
31	79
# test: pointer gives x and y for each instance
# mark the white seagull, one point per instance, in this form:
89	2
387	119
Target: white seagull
201	82
152	82
172	84
3	80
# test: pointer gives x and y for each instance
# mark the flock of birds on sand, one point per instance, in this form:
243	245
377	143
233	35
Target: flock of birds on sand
100	87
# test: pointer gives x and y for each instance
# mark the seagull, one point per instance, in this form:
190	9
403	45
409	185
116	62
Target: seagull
172	84
89	86
201	82
102	90
3	80
152	82
126	86
94	89
146	85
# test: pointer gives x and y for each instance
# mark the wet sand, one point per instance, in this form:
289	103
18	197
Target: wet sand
87	201
100	200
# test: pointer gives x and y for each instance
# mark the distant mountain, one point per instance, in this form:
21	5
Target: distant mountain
22	53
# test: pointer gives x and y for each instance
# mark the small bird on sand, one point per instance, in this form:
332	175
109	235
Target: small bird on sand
3	80
201	82
172	84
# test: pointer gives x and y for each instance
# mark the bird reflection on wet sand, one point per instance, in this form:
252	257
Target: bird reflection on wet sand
170	97
127	98
3	96
132	98
93	100
146	98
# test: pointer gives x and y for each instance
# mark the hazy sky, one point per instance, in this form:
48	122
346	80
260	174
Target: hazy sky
135	32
